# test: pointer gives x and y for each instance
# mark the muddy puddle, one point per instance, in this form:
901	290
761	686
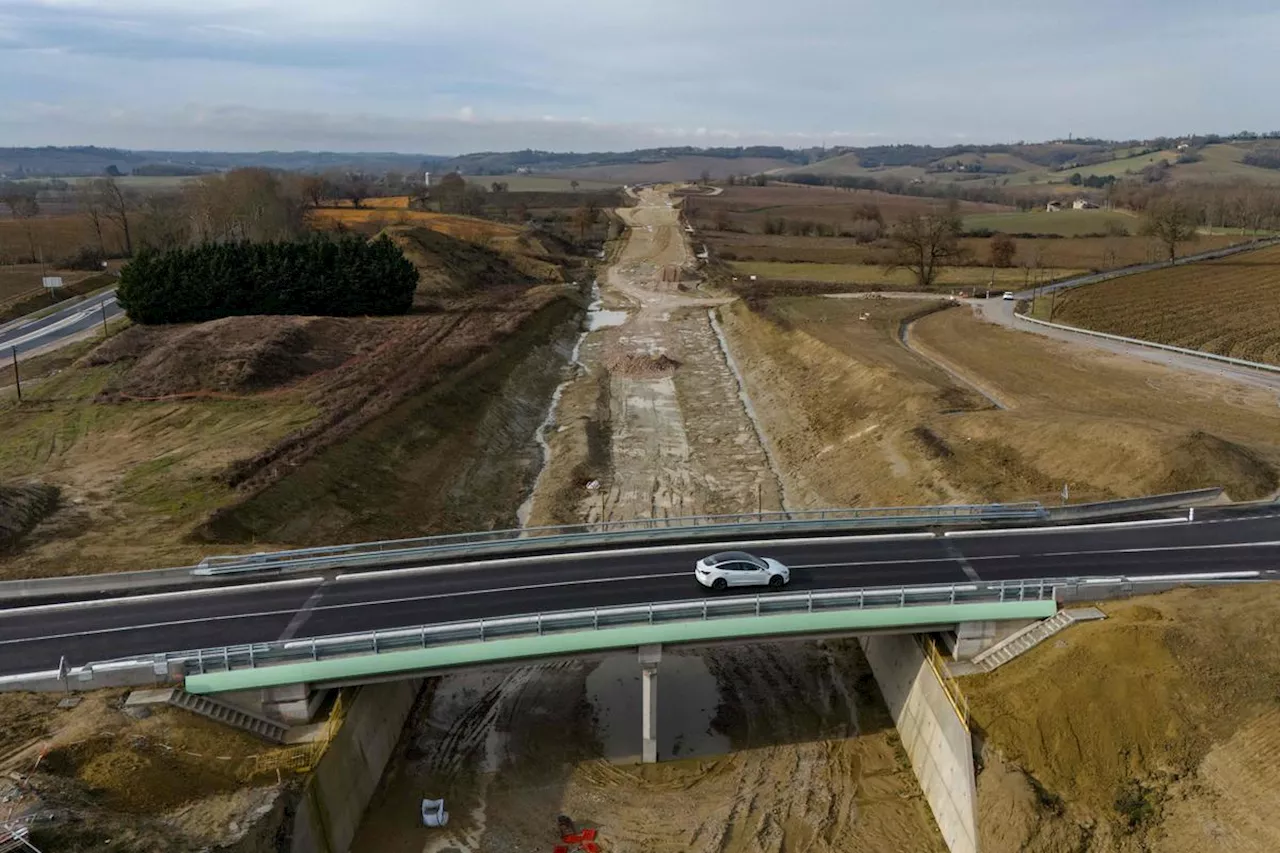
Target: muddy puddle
688	698
765	747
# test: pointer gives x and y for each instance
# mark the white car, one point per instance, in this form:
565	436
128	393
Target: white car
1008	294
738	568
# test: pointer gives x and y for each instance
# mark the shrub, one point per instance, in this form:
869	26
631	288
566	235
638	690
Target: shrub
345	277
86	258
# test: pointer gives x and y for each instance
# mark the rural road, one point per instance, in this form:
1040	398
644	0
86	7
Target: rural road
34	638
59	328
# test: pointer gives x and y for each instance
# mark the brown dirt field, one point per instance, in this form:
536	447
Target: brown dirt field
677	169
1230	306
817	767
858	420
56	236
164	782
747	208
1170	752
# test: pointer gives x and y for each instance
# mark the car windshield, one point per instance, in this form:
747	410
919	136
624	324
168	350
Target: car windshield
735	557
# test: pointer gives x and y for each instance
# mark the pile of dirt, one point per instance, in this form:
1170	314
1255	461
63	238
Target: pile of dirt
1204	458
642	366
1147	731
234	355
22	507
448	266
100	779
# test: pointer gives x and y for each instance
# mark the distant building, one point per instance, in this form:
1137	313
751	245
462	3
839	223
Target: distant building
1053	206
1084	204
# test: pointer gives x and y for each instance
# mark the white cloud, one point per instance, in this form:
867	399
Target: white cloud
715	71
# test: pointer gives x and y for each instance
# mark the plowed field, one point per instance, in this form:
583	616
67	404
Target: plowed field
1229	307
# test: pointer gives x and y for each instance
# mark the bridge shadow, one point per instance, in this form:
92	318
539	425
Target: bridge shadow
509	749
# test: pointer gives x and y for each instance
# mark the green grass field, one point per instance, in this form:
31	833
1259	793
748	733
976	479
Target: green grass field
1067	223
539	183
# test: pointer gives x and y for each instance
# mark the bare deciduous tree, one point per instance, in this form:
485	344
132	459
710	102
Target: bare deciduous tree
116	203
1003	248
1171	221
91	206
925	243
23	206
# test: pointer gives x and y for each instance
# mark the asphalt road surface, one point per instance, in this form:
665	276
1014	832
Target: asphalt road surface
34	638
60	327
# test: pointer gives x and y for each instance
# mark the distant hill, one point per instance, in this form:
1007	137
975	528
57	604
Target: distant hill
80	161
1207	158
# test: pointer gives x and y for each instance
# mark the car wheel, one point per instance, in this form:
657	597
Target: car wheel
776	582
719	584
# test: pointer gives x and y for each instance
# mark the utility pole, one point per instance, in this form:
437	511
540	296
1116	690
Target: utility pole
1053	300
17	380
103	306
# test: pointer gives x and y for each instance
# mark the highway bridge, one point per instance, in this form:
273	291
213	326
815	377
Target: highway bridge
345	602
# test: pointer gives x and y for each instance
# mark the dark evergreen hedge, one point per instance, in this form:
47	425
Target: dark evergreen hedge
342	278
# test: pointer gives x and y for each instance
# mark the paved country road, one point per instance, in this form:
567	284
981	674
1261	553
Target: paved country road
59	328
33	638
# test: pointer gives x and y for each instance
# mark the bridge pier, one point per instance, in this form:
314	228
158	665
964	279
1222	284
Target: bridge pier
650	656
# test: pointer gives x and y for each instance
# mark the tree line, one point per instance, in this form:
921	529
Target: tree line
342	277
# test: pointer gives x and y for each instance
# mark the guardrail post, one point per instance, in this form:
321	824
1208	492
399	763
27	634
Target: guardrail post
226	658
704	609
953	593
375	638
902	597
595	618
482	630
251	662
315	651
757	605
539	624
650	614
423	636
810	601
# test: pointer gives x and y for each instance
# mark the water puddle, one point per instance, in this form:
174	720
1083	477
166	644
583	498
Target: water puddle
688	698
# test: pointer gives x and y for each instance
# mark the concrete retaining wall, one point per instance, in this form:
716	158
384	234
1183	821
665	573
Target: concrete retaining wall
937	742
338	792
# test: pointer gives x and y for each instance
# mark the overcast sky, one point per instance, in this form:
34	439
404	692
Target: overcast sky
451	76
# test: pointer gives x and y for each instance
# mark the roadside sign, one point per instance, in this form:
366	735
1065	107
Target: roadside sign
52	281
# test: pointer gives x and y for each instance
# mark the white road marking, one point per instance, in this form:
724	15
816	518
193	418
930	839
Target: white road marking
291	611
158	596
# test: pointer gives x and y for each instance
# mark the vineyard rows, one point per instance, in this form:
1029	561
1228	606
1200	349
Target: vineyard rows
1229	307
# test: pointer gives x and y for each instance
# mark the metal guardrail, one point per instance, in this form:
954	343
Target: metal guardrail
1122	506
172	665
230	658
613	532
1238	362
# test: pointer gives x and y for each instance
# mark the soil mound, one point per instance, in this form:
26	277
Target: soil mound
22	508
643	366
448	266
232	355
1203	458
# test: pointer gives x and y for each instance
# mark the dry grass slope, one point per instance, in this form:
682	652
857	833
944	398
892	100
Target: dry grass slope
1168	751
